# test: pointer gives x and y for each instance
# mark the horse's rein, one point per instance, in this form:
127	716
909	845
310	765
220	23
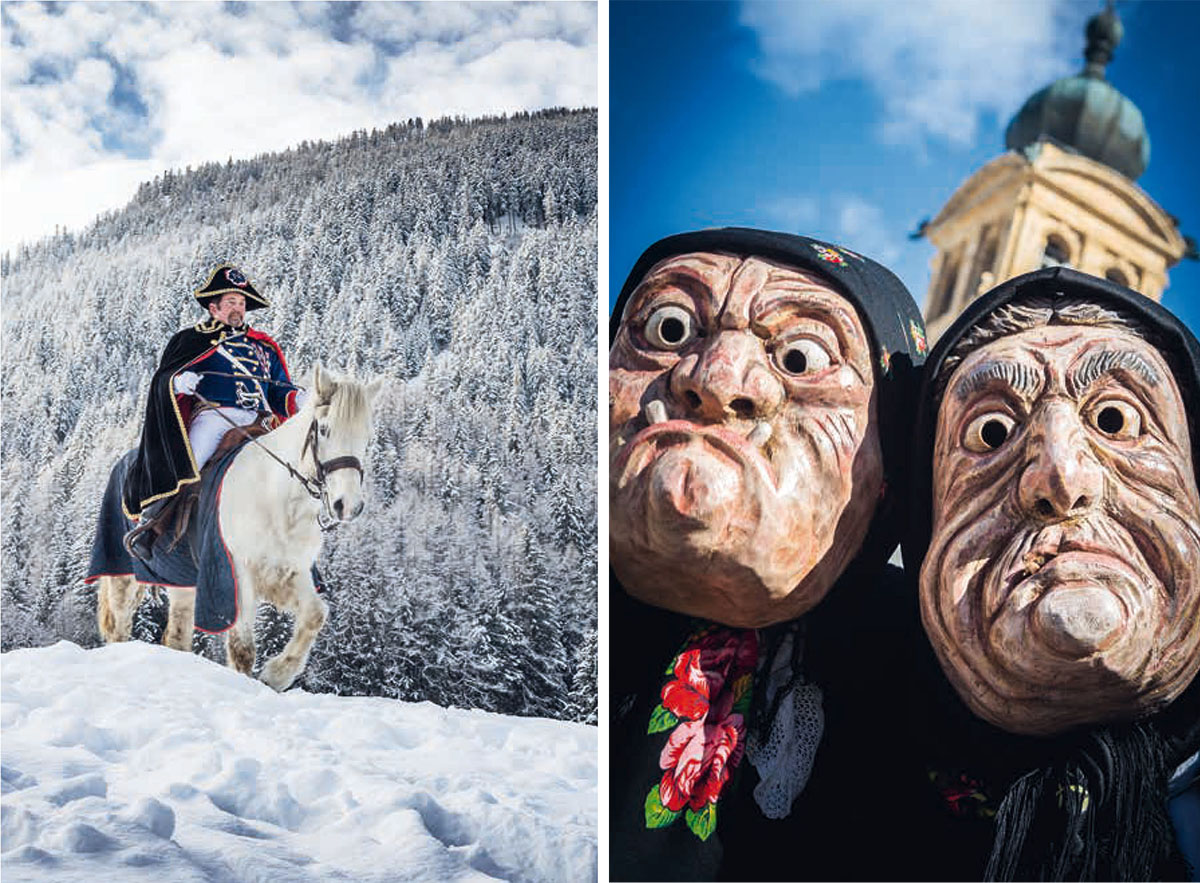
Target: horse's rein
315	489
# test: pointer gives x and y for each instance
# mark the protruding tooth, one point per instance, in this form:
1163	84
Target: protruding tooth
656	412
759	434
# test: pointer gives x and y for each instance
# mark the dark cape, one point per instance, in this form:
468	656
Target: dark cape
855	644
164	461
995	805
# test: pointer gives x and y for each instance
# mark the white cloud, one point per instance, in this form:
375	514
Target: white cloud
848	219
791	214
204	81
937	66
862	226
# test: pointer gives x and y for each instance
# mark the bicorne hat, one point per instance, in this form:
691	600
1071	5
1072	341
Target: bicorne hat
227	278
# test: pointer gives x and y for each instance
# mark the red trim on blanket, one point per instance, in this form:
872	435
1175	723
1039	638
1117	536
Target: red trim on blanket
88	580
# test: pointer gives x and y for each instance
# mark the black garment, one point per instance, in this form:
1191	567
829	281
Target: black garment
856	640
643	640
1124	834
858	650
1023	818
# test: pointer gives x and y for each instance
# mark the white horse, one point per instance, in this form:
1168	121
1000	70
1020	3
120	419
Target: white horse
271	526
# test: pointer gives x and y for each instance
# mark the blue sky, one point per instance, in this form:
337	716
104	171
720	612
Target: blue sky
853	121
98	97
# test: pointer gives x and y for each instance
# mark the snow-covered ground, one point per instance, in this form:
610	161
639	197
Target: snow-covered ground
133	762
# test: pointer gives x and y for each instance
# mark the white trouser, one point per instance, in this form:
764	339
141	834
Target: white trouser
208	427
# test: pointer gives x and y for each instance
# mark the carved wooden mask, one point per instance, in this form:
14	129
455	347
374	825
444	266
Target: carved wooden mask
1060	586
744	456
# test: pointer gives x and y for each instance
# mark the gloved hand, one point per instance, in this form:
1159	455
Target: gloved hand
185	383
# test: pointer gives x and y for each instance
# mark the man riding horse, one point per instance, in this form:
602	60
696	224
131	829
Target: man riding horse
215	375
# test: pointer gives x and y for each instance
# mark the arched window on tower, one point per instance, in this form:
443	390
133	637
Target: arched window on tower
1115	275
983	275
945	289
1056	254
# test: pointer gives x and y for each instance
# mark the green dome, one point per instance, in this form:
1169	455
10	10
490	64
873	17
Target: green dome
1084	112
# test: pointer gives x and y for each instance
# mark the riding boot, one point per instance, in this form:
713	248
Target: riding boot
139	542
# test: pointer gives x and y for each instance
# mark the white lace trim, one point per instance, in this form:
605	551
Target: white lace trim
785	760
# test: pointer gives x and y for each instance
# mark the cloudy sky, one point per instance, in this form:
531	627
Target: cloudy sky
853	121
98	97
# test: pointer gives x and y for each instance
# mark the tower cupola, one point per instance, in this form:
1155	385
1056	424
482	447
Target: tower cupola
1084	113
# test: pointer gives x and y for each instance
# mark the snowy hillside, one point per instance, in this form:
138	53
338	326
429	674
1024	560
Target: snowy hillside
133	762
457	258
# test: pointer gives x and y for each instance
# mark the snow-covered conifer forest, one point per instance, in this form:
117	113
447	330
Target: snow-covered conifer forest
456	257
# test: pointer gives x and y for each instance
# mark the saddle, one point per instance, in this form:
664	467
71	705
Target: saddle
176	513
231	439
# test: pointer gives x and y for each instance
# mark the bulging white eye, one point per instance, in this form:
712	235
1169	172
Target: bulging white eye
802	356
670	327
1116	419
987	432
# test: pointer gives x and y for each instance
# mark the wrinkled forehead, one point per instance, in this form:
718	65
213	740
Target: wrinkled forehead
748	286
1061	359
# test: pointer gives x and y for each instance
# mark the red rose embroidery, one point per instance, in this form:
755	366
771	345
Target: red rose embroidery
702	671
710	677
698	758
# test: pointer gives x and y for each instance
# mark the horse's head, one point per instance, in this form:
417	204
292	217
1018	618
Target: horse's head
339	430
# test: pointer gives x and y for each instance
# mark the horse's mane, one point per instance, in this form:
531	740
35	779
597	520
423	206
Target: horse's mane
351	400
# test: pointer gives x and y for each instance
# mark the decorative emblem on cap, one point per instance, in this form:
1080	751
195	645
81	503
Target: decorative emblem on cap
918	337
235	277
829	255
885	361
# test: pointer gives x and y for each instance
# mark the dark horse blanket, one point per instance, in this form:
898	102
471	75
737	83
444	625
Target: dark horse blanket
199	561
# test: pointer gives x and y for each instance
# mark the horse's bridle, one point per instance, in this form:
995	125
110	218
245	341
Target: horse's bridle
323	468
315	486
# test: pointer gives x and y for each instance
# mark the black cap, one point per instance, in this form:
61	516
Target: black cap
228	278
889	315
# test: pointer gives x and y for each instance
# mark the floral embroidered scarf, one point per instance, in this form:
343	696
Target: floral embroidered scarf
705	702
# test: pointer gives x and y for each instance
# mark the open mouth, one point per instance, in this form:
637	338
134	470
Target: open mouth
747	450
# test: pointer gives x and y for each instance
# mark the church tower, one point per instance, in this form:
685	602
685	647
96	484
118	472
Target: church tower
1064	193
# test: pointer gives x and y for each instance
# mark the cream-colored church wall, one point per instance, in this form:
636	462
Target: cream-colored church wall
1138	244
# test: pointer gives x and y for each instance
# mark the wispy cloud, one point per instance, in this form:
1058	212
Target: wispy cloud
863	223
938	67
789	213
843	218
101	96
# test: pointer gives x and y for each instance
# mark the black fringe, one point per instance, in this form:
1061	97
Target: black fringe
1099	812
